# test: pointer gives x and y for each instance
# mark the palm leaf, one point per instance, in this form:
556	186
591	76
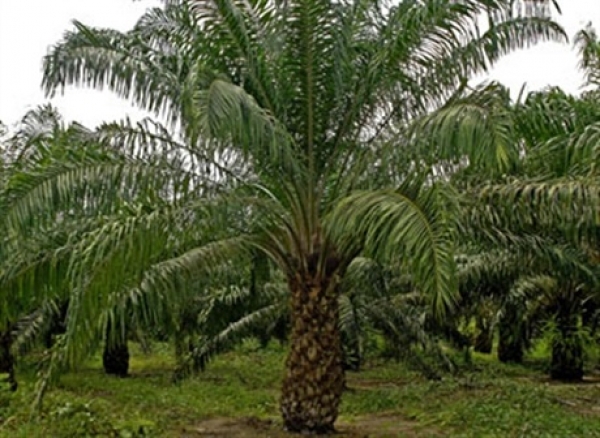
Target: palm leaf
413	222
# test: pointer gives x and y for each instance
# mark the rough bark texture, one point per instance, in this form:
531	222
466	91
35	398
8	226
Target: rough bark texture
314	378
7	360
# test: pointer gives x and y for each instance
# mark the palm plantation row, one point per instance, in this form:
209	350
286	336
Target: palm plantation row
317	172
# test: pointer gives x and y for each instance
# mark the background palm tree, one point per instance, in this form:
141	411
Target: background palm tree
540	213
29	298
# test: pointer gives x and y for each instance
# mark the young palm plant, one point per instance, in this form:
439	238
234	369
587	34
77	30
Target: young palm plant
295	105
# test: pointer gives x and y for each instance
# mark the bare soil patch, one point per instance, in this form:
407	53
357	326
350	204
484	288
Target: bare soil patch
372	426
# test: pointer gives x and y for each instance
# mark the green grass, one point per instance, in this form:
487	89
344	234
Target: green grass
491	400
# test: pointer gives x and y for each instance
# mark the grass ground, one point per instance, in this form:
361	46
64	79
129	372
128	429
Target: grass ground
237	397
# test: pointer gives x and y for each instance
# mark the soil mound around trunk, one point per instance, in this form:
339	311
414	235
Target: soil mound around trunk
373	426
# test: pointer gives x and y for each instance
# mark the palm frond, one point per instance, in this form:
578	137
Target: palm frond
588	45
566	206
119	61
478	126
414	222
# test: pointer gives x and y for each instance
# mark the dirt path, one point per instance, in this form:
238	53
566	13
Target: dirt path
373	426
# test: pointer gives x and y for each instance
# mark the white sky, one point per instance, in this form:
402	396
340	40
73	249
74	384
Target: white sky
29	27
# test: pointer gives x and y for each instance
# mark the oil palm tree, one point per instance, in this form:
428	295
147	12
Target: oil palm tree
547	200
41	146
290	117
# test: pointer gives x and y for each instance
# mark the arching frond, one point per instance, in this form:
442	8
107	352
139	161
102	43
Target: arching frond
413	223
478	126
217	109
119	61
564	206
245	28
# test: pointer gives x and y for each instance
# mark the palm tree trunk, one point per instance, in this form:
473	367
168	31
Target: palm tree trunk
567	349
7	360
115	358
510	347
314	378
512	336
484	339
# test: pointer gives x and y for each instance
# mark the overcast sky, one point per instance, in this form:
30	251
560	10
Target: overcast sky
29	27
